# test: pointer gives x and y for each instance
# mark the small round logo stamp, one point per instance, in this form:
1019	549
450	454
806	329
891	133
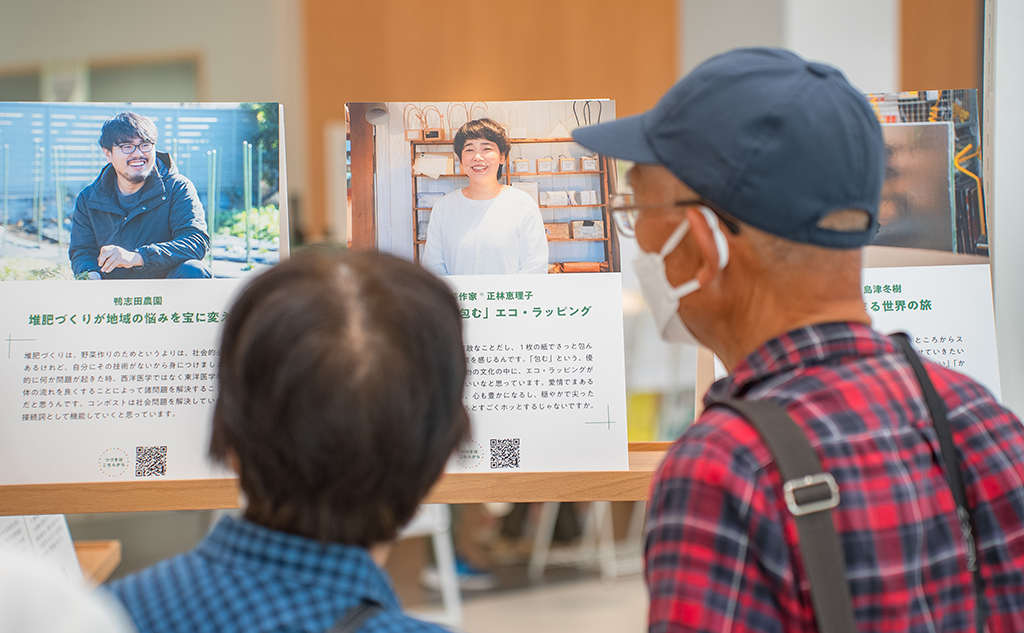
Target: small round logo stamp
469	455
113	462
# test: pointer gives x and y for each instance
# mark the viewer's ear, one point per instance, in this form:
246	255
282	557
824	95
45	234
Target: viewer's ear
231	458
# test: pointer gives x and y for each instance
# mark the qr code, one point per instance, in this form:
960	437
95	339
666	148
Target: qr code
150	461
505	453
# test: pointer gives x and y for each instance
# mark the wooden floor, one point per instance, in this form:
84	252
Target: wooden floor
587	605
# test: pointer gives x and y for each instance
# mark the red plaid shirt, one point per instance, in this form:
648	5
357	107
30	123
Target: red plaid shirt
722	551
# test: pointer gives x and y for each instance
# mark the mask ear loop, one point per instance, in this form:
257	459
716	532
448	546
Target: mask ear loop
721	243
670	245
673	240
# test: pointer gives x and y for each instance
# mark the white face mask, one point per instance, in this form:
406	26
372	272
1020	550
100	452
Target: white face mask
660	295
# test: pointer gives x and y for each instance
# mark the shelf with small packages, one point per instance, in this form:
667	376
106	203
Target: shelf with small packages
589	172
601	260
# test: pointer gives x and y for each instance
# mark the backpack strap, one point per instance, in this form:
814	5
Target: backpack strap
355	617
810	494
951	463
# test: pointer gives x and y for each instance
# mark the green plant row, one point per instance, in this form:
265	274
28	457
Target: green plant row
265	223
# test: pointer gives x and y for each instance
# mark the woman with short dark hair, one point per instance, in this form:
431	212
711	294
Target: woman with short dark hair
486	227
340	401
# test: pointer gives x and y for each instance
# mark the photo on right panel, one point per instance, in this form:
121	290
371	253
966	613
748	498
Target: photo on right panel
932	197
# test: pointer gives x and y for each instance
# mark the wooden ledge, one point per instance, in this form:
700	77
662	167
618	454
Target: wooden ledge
210	494
610	485
98	559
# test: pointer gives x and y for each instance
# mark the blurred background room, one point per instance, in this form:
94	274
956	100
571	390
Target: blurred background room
540	567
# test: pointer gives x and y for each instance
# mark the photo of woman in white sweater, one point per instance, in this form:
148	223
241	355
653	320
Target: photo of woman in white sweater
486	227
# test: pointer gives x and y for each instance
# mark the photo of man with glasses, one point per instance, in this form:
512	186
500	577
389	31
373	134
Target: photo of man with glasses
141	218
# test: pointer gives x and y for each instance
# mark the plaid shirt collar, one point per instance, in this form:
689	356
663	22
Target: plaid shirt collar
804	347
348	569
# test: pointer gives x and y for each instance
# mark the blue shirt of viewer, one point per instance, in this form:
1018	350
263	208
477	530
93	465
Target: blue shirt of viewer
245	577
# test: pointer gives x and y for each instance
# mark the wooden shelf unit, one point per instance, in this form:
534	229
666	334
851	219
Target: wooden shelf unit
558	173
611	245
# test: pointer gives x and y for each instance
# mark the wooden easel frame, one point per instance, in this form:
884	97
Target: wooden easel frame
208	494
211	494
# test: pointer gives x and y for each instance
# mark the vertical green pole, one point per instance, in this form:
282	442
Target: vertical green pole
63	191
210	228
216	185
7	153
248	179
35	182
42	191
259	177
247	199
57	182
38	191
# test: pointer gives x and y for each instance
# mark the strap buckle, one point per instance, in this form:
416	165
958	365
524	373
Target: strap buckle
790	488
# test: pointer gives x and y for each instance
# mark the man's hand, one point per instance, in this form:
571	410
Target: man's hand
112	257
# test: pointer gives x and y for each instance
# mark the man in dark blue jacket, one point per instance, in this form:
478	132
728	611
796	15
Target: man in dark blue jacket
140	219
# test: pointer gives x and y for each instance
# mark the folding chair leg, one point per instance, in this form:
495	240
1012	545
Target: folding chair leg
542	540
606	540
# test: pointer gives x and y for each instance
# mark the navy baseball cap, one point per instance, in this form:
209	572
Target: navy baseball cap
774	140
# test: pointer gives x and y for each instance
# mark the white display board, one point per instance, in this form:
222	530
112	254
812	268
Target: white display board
116	380
946	310
44	537
546	384
109	380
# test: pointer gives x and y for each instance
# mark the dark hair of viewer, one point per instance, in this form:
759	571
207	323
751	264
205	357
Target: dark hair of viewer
341	380
485	129
125	126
